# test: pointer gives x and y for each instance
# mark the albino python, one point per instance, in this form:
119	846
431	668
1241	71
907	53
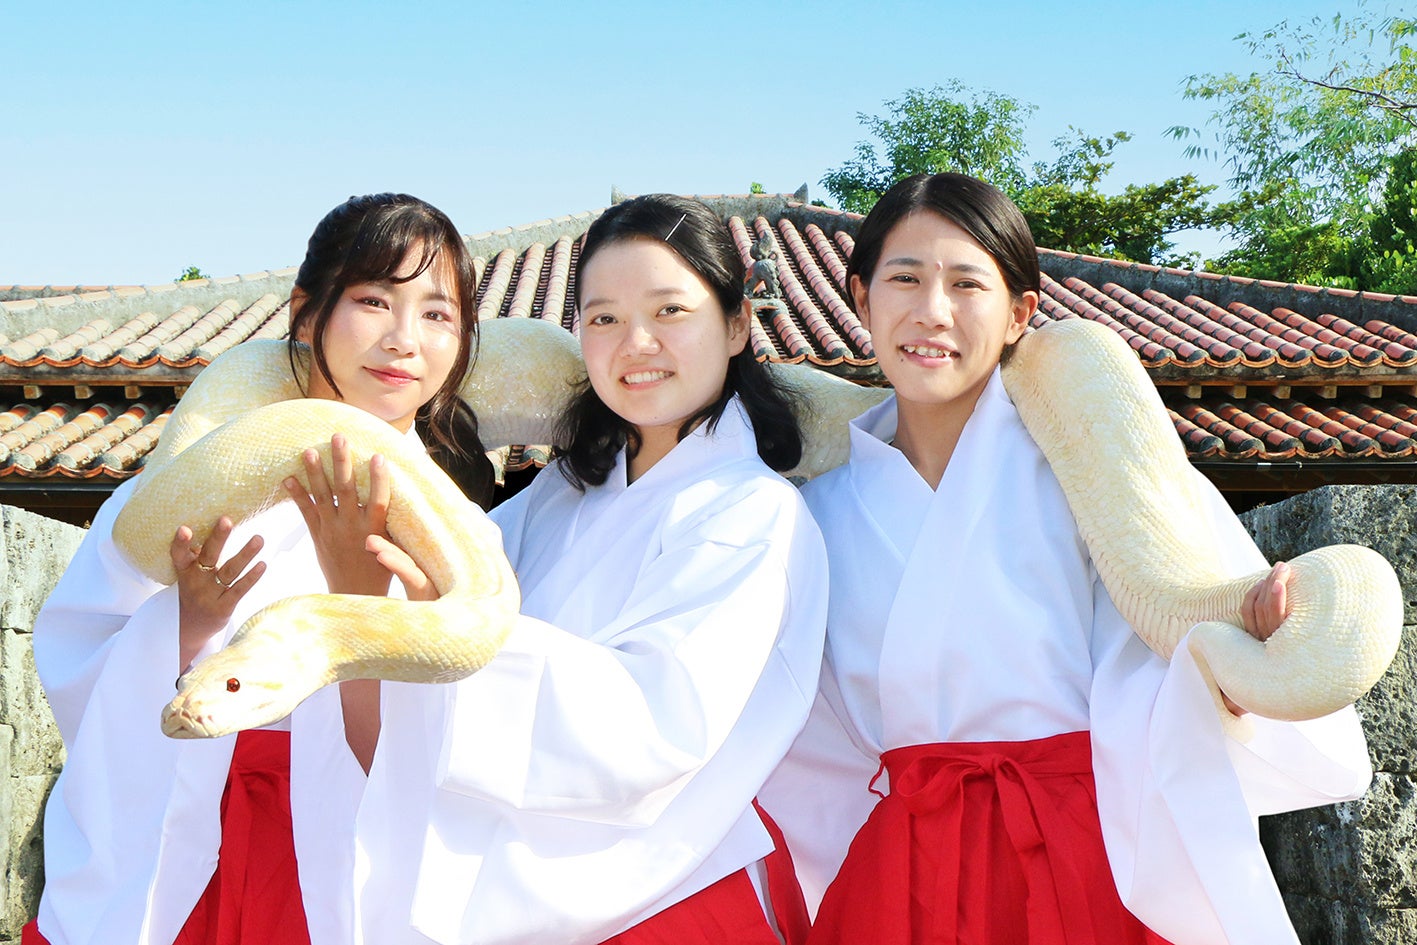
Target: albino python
1080	391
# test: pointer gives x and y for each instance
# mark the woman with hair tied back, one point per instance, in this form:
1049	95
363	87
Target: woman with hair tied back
250	838
595	782
995	757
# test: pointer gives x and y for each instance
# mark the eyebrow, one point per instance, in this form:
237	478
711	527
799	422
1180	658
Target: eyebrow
663	293
437	295
956	267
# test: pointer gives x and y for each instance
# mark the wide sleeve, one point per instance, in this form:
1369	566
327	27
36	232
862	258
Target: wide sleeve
577	784
75	629
1178	796
611	728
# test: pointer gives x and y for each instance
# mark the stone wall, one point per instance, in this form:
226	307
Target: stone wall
33	553
1349	871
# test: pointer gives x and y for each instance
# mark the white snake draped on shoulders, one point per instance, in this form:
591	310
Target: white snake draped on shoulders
1080	391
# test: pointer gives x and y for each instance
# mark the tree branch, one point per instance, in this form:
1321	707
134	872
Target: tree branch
1406	111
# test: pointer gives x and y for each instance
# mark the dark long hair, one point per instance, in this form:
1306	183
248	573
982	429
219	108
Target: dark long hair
367	239
593	434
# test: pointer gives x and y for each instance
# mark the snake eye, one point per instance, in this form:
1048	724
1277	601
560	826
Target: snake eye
233	684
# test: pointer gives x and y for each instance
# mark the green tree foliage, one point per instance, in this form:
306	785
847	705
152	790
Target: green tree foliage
1312	143
953	128
1391	265
190	273
1066	208
946	128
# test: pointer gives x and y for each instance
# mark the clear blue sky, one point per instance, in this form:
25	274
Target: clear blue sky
139	138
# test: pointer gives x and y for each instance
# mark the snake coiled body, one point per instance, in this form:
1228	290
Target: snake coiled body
1079	390
1087	402
224	454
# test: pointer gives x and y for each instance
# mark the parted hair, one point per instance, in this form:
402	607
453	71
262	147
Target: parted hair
980	209
591	434
367	239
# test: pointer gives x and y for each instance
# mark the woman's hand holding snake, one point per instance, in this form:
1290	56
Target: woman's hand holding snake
208	589
339	523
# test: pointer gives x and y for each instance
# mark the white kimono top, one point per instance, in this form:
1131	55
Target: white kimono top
602	767
973	613
133	826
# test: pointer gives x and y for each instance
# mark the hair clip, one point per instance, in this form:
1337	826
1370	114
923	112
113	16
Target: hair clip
682	217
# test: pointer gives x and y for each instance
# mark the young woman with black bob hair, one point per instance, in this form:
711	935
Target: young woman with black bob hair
594	433
595	782
995	755
249	838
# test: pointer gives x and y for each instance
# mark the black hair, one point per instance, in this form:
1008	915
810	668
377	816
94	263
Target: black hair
593	434
367	239
981	210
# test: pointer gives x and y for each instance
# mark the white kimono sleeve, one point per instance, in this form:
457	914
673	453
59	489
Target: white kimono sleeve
75	629
584	783
1178	798
609	731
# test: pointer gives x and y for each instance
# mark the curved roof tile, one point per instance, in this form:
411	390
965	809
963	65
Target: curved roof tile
1232	370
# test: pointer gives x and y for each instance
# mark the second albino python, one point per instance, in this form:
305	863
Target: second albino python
1080	391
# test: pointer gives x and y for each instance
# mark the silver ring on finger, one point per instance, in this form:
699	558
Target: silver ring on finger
219	581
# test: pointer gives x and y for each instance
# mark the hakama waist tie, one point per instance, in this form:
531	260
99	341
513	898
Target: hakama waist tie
981	842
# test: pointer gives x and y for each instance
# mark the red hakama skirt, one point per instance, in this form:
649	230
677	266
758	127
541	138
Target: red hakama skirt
986	843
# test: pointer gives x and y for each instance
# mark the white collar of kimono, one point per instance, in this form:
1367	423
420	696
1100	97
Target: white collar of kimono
873	431
732	439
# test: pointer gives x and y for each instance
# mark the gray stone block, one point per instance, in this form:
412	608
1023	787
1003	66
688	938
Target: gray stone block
33	554
1349	871
34	551
1389	712
7	821
1327	922
1363	852
36	748
24	853
1383	518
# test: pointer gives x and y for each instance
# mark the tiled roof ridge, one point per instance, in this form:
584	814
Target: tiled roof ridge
517	238
1353	305
119	304
101	293
19	293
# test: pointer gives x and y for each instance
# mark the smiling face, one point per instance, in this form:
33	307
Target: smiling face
939	313
390	345
655	339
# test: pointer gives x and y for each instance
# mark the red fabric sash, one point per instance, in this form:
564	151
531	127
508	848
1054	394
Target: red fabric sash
729	910
254	895
982	842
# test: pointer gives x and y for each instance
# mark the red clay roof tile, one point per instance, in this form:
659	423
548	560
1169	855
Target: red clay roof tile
1217	345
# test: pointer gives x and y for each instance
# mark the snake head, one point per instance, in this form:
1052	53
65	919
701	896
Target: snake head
256	679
